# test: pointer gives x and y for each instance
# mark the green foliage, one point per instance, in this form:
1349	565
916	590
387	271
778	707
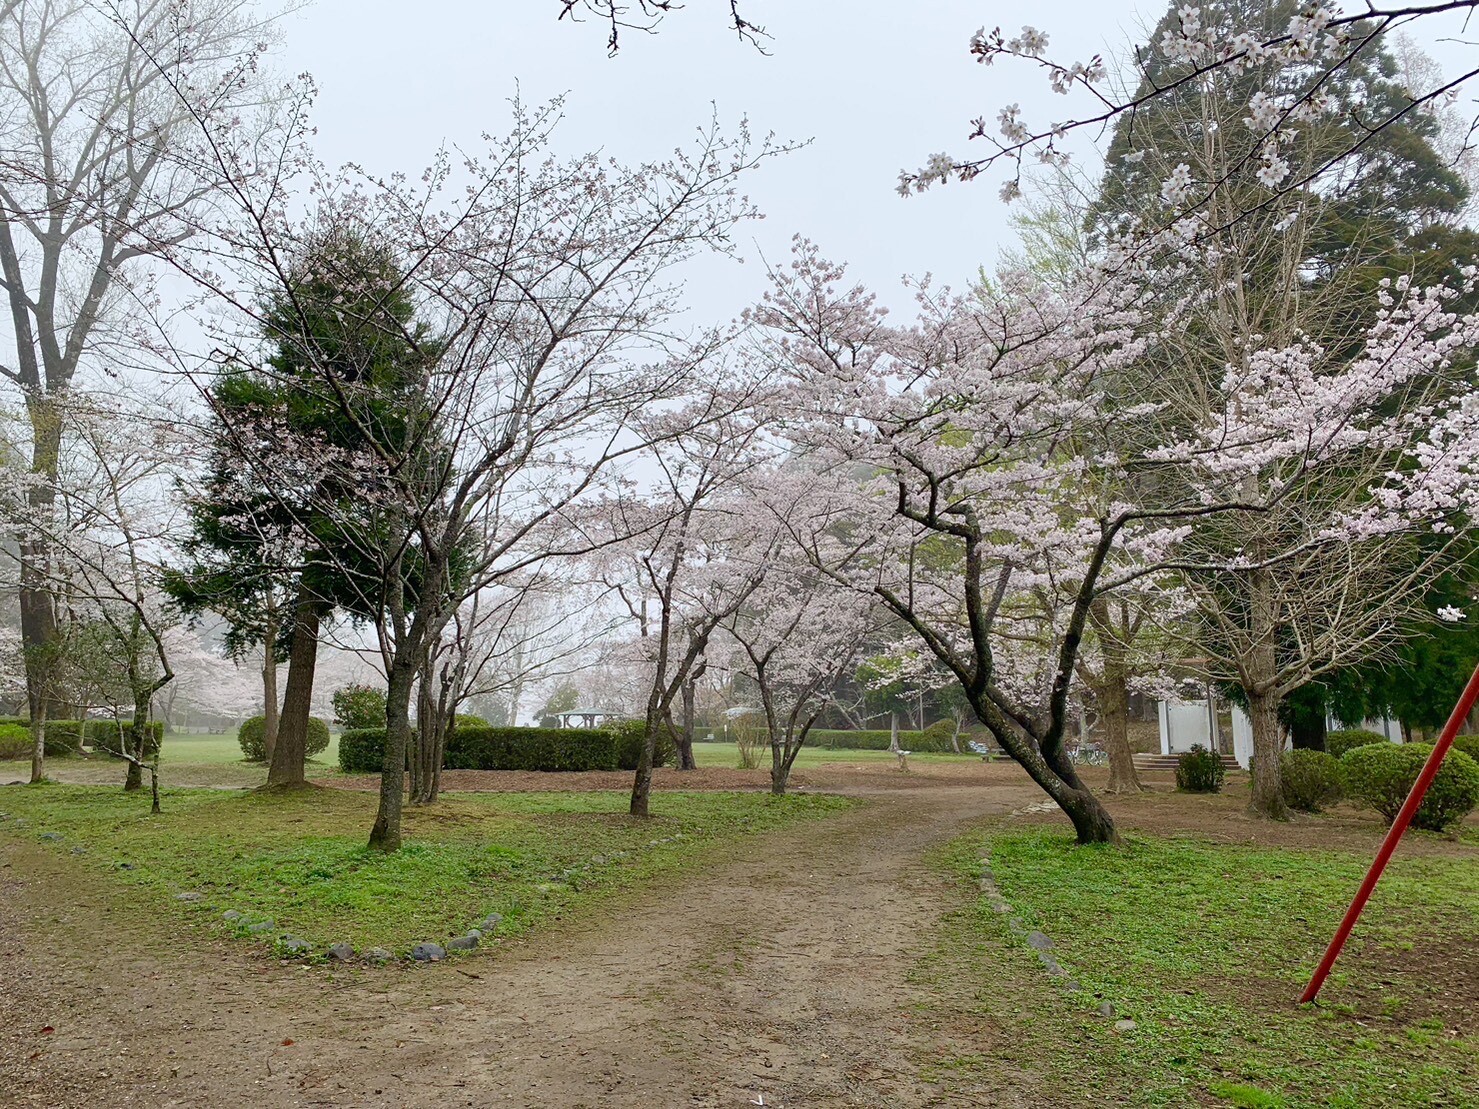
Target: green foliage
532	749
1338	743
1311	780
64	738
629	735
1468	744
1380	776
935	739
359	706
1200	771
362	750
15	741
253	738
564	699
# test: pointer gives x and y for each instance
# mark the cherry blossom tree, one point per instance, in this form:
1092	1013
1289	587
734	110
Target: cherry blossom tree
982	477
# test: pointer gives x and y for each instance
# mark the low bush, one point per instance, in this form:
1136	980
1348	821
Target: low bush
1338	743
15	741
1380	776
1199	771
362	750
933	739
105	735
629	735
532	749
253	738
63	737
359	706
1310	780
1468	744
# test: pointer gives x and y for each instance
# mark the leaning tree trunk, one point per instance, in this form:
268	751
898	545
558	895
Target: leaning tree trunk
270	712
642	782
288	758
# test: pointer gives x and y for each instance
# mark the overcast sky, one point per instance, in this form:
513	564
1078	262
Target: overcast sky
878	85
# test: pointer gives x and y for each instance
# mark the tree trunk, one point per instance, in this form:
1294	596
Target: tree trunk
1114	712
287	766
38	741
893	732
37	605
138	731
684	738
1268	745
269	686
386	833
642	783
780	770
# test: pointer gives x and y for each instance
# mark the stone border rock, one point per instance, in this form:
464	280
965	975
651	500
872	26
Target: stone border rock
1041	944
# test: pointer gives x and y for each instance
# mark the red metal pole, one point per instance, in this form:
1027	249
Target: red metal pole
1394	833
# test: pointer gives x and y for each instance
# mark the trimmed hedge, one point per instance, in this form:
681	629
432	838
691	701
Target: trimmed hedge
15	741
1381	775
932	740
1200	771
253	738
63	737
1468	744
1338	743
103	735
1310	780
362	750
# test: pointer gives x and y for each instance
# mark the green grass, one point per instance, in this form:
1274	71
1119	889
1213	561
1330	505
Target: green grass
300	858
185	759
1205	946
727	755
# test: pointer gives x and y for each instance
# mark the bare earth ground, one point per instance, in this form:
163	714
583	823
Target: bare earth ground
780	977
781	973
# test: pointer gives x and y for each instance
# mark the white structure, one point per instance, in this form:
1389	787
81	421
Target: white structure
1184	725
1386	726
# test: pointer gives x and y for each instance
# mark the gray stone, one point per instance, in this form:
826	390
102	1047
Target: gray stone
1052	966
463	943
378	955
428	952
1038	942
1106	1010
491	922
187	897
262	926
53	837
231	915
294	946
79	850
342	952
1124	1026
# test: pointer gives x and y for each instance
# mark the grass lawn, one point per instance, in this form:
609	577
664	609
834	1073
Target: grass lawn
300	858
727	755
185	759
1205	946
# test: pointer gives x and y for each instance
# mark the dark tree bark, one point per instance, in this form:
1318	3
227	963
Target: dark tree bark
288	758
684	738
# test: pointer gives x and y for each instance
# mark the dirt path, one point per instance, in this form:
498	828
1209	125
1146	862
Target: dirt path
781	975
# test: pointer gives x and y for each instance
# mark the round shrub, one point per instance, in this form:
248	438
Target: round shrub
359	706
1200	771
253	738
1338	743
15	741
1380	776
1468	744
1311	780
